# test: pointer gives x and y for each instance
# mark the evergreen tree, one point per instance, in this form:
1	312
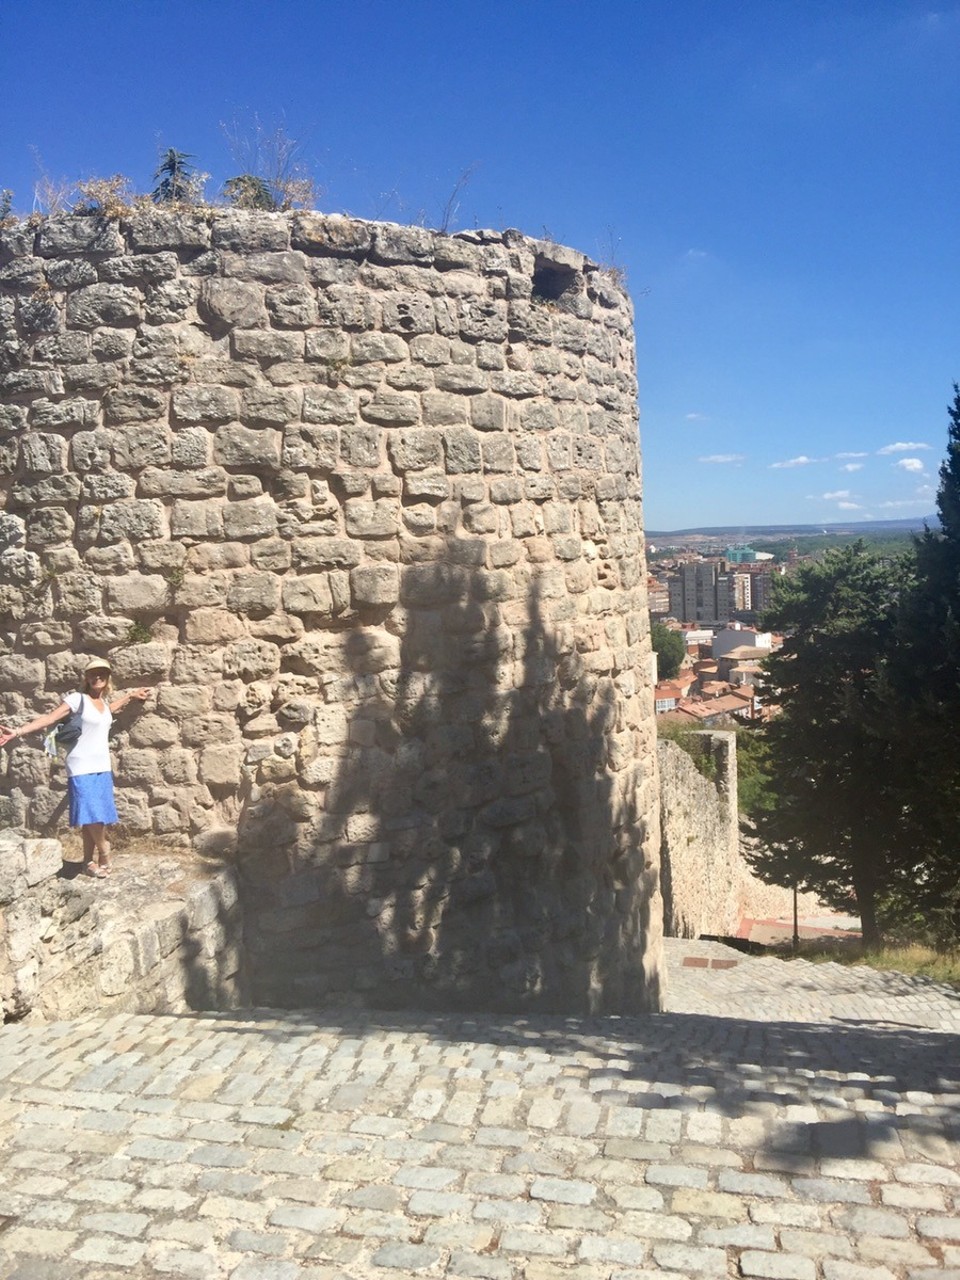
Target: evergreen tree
670	648
176	179
832	826
247	191
926	685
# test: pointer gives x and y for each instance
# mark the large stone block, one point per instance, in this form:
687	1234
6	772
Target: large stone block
415	450
231	304
377	519
374	585
206	404
137	593
134	521
239	446
308	593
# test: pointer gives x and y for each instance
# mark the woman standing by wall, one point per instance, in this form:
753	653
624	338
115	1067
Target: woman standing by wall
89	773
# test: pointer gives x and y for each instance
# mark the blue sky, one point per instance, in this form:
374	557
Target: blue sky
777	178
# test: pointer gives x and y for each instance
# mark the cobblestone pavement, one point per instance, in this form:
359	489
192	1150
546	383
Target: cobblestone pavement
327	1146
708	976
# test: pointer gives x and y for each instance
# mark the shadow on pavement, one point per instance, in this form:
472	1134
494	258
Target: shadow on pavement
741	1063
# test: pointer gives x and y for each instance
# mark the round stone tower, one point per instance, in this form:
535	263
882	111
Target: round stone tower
362	501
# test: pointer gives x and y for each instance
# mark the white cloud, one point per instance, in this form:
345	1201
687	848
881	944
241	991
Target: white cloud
802	461
837	493
723	457
852	466
909	464
849	506
850	453
696	417
902	446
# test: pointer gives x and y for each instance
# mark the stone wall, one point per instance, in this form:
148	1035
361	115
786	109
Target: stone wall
161	936
362	503
708	887
700	843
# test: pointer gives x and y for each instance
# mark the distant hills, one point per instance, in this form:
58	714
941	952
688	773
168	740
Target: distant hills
741	533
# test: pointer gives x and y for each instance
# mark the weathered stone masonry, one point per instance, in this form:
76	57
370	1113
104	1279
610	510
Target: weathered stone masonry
362	502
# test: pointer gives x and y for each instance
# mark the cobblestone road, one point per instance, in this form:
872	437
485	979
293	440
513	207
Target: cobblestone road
812	1135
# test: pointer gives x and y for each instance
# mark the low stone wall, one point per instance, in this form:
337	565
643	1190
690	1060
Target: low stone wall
699	850
708	887
161	936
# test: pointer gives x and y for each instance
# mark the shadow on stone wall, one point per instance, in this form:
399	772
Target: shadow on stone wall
469	845
210	951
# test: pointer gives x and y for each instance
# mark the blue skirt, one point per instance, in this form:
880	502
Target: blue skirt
91	799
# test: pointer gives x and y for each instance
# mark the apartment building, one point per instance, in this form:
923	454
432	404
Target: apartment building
701	592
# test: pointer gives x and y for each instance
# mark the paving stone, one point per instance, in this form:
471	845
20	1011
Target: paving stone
828	1190
742	1235
479	1266
870	1221
942	1229
610	1249
437	1204
637	1187
701	1260
306	1217
777	1266
836	1269
474	1236
110	1252
816	1244
564	1191
259	1242
426	1179
186	1264
896	1252
685	1202
266	1269
409	1257
508	1211
909	1197
117	1224
927	1174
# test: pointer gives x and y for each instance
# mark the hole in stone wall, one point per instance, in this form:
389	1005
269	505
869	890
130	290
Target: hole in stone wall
551	282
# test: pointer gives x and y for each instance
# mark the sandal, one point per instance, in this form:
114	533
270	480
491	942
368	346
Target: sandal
91	869
105	867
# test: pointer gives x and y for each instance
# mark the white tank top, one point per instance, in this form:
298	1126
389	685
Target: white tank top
91	752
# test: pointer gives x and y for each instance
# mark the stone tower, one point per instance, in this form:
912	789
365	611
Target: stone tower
362	501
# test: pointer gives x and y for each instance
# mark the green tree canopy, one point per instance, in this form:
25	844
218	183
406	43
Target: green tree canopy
864	771
670	648
926	686
832	825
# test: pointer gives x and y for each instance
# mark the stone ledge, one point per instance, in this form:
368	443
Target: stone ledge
161	934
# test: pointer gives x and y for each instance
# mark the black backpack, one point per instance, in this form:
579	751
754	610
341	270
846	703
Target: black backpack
68	731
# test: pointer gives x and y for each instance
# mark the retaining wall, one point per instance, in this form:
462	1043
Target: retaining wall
708	886
161	936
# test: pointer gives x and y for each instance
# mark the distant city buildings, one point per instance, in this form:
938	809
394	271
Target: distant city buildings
699	592
713	591
715	602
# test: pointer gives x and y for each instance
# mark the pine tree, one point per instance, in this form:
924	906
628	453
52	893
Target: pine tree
176	179
926	686
832	824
